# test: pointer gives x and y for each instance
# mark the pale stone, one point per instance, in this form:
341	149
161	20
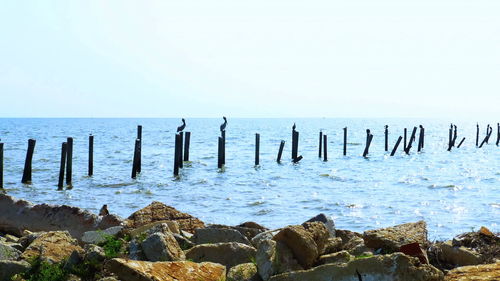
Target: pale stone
228	254
301	243
390	239
483	272
99	236
162	247
218	235
243	272
458	256
53	246
339	257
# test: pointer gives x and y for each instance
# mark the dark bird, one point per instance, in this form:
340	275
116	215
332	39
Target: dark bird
104	210
293	127
181	127
223	126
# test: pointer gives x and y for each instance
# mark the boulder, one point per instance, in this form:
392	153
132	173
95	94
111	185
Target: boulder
327	221
94	253
339	257
266	235
393	267
162	247
414	250
10	268
251	224
8	252
243	272
130	270
183	242
248	232
273	258
484	272
390	239
157	211
99	236
483	242
158	226
333	245
456	256
18	215
53	246
218	235
319	233
301	242
347	235
228	254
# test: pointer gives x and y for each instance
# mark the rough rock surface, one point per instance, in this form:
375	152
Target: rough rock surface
319	233
273	258
157	211
333	245
130	270
301	242
228	254
53	246
162	247
218	235
159	226
243	272
414	250
99	236
339	257
390	239
394	267
248	232
327	221
11	268
484	242
484	272
18	215
7	252
266	235
456	256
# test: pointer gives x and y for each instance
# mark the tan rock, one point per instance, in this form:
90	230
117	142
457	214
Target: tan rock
390	239
157	211
485	231
319	233
393	267
131	270
228	254
218	235
274	257
339	257
457	256
333	245
53	246
243	272
484	272
300	242
162	247
172	226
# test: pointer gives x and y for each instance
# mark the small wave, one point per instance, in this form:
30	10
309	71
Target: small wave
263	212
495	205
256	203
114	185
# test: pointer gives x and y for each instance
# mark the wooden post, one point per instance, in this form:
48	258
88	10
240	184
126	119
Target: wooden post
345	141
27	163
294	144
483	142
477	134
181	162
396	146
487	133
450	145
460	144
69	161
135	161
176	154
91	155
325	153
368	142
404	143
280	151
139	151
257	149
320	143
410	142
220	152
386	133
296	160
186	146
1	165
454	135
498	133
223	133
421	139
60	184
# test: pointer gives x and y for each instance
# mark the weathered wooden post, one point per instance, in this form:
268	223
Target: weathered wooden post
369	138
220	152
404	143
186	146
345	141
91	156
181	163
176	154
477	134
325	153
396	145
69	161
421	138
135	161
223	135
320	143
60	184
295	140
1	165
27	163
454	135
450	144
280	151
498	133
487	133
386	133
139	152
412	139
257	149
460	144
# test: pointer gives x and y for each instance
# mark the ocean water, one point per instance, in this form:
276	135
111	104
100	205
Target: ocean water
453	191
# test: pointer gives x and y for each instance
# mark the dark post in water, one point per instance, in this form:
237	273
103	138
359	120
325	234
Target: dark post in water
91	155
460	144
320	143
135	161
219	154
386	133
325	153
498	133
411	140
295	142
257	149
181	163
139	152
60	184
396	145
176	154
369	138
345	141
404	143
27	163
69	161
477	134
280	151
1	165
186	146
421	138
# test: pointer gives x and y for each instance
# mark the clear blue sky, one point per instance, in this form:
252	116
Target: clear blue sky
259	58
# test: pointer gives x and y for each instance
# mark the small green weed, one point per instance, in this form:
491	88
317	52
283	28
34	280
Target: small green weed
112	246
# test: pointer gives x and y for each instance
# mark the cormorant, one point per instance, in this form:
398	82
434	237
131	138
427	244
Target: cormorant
181	127
223	126
293	127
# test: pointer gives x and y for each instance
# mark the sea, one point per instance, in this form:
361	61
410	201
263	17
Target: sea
453	191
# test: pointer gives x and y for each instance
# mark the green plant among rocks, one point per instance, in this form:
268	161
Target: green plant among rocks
112	246
44	271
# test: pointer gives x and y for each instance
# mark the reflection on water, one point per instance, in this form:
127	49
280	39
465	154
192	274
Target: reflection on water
453	191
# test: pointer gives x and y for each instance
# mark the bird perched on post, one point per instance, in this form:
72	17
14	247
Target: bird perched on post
223	126
181	127
293	127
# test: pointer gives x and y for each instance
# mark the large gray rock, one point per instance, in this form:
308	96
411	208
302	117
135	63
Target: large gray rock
218	235
243	272
394	267
99	236
319	233
18	215
390	239
7	252
326	220
228	254
339	257
10	268
456	256
263	236
301	242
162	247
273	258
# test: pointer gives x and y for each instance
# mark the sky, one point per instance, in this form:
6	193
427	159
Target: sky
259	58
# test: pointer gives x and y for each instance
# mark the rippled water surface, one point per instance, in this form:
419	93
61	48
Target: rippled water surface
453	191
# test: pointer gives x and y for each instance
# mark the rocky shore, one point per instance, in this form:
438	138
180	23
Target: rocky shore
158	242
